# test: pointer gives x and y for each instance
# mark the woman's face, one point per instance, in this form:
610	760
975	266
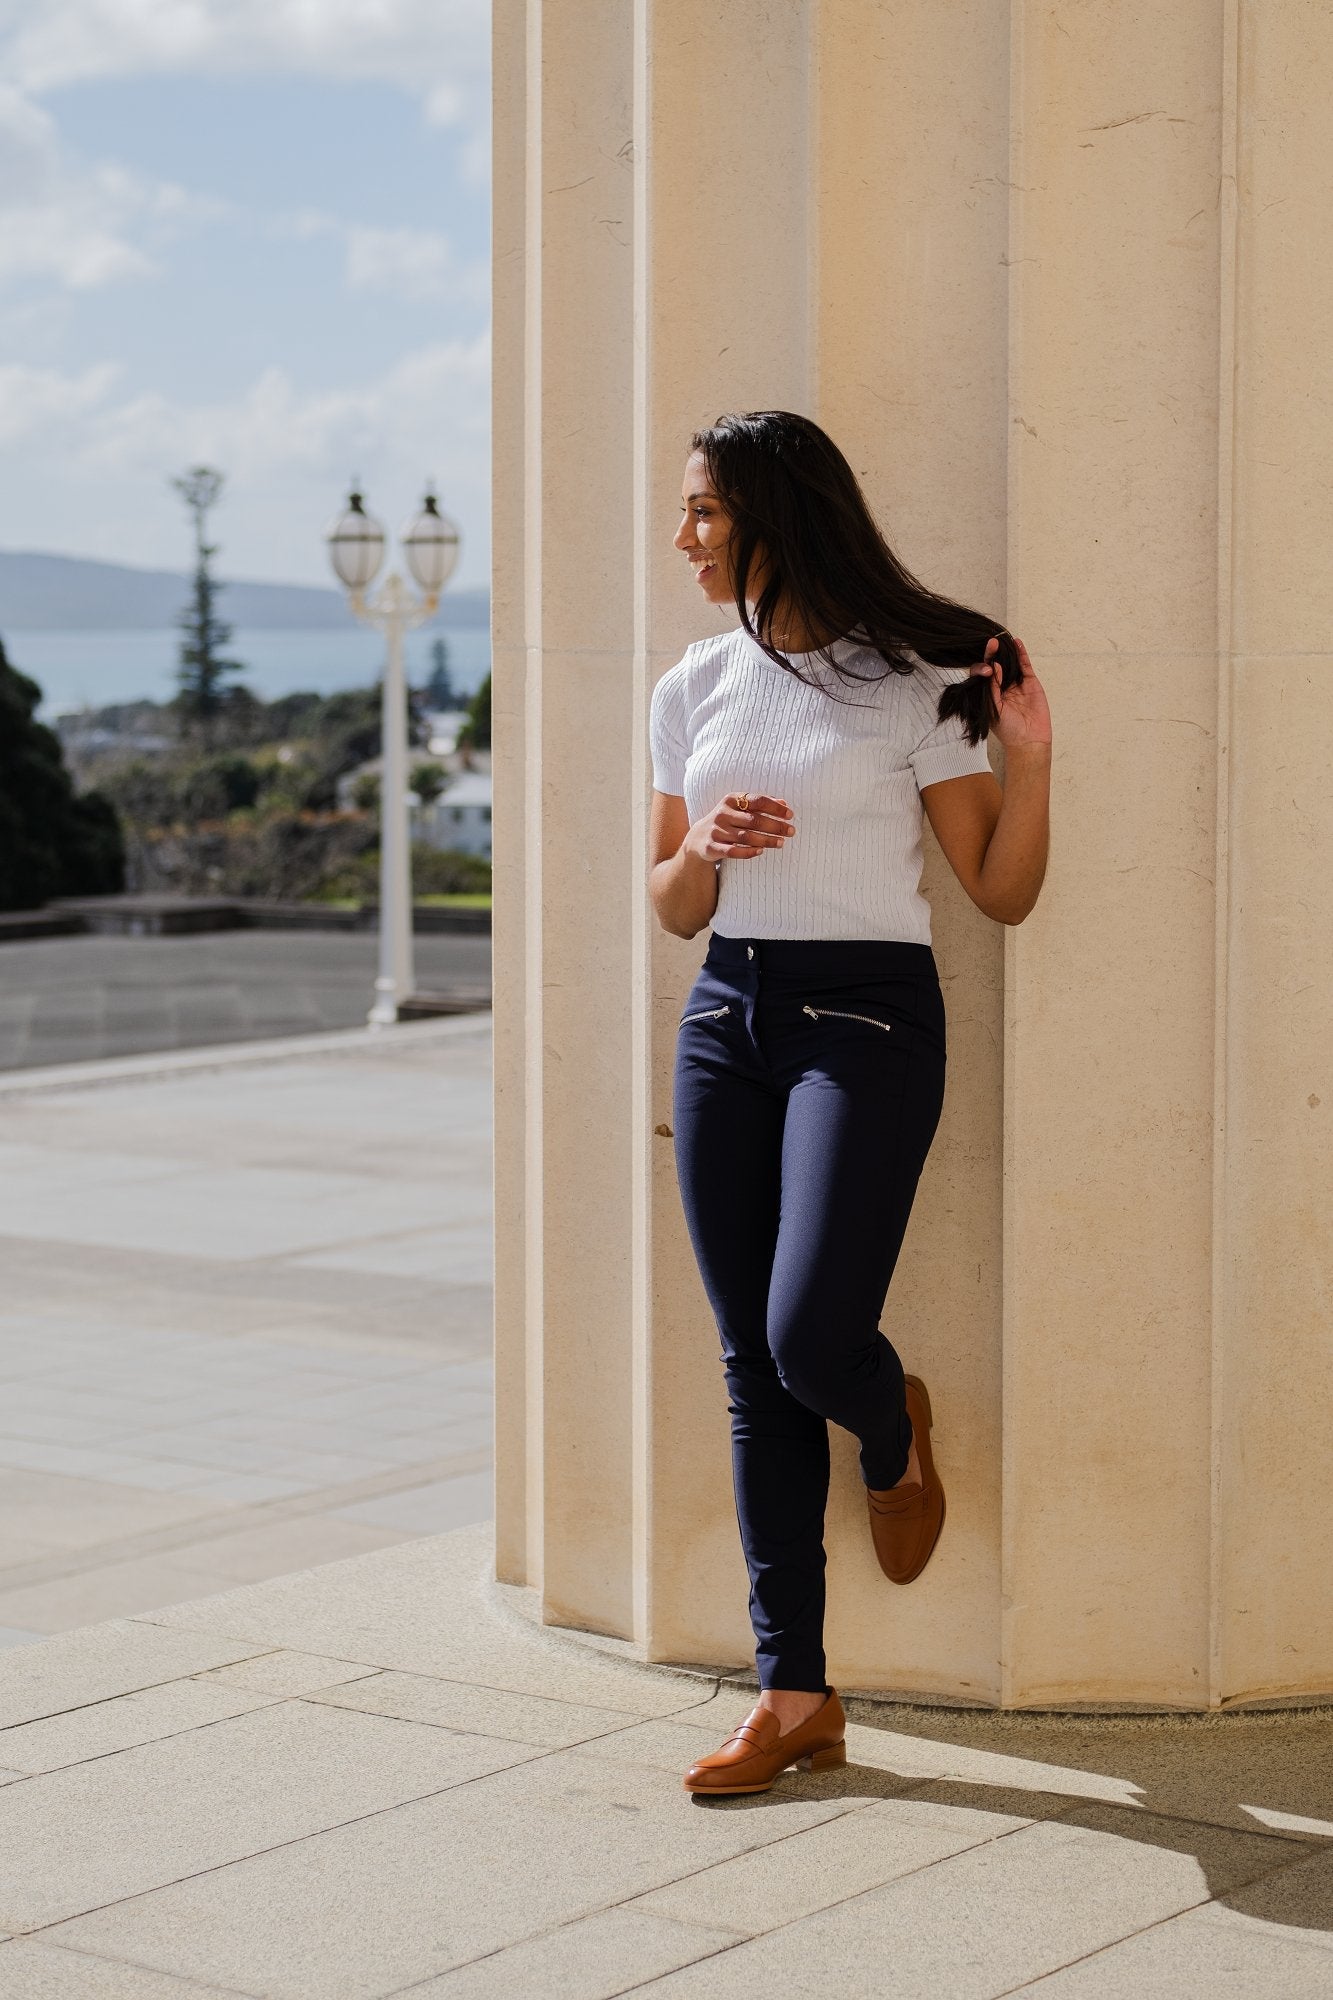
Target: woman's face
704	534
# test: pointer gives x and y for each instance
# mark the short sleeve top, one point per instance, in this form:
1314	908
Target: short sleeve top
850	760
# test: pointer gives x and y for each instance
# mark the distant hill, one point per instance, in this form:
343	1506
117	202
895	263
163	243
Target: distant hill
41	593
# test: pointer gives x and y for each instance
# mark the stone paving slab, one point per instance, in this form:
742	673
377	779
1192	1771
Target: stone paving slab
420	1608
430	1509
103	1727
286	1674
468	1872
950	1927
523	1718
830	1864
100	1662
30	1970
521	1827
593	1958
1207	1954
381	1774
96	1833
65	1511
105	1591
1196	1768
176	1367
1299	1900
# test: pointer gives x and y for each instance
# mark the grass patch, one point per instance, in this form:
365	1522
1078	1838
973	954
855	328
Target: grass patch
470	900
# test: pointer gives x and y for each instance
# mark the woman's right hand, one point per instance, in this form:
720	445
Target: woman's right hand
729	834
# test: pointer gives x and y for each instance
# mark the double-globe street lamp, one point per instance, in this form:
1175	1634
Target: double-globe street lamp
356	549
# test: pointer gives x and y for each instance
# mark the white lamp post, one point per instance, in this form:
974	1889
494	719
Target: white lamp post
356	549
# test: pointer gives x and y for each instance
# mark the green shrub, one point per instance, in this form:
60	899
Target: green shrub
53	841
435	872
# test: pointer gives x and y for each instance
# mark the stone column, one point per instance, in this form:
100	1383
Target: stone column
1050	278
1271	1626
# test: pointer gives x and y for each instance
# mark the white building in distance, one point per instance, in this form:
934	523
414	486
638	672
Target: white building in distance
460	818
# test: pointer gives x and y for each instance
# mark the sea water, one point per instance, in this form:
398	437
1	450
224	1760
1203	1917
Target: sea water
93	669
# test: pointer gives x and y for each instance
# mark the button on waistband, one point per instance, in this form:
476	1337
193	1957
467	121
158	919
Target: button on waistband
749	951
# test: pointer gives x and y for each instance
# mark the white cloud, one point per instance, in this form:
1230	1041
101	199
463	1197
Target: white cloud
411	264
287	454
79	225
274	428
437	50
88	461
404	263
83	225
34	400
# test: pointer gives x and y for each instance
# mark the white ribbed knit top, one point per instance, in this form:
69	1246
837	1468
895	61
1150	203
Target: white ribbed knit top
726	718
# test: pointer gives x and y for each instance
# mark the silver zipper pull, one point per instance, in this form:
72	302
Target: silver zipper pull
843	1014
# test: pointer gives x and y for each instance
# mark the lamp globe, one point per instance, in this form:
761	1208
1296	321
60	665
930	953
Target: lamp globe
356	546
430	543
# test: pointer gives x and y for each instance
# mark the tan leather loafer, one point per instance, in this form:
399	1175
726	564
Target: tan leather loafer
757	1753
906	1526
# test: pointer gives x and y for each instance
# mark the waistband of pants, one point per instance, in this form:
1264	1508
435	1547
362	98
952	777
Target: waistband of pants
856	958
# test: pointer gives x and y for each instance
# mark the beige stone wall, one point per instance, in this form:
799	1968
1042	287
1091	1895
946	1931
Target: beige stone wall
1058	281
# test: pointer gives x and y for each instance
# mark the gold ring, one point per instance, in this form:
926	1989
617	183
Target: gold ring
743	801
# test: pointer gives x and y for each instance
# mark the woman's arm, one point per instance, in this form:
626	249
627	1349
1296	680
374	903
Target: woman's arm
683	886
997	842
683	859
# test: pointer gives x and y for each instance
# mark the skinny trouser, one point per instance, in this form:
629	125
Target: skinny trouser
800	1133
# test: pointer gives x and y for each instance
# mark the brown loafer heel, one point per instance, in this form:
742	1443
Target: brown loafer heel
757	1753
906	1526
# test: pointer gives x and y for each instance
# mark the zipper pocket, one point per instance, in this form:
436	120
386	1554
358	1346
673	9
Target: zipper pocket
706	1014
841	1014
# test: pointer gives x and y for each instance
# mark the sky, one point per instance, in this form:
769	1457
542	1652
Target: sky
252	233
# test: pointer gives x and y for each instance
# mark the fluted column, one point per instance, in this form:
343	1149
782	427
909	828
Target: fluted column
1050	277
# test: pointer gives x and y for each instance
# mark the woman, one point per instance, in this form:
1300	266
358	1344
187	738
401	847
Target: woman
792	759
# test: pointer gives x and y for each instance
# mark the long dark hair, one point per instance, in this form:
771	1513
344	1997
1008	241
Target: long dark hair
795	503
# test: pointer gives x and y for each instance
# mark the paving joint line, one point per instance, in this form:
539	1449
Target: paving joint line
569	1923
153	1066
217	1524
627	1902
212	1992
838	1902
540	1754
171	1735
1158	1923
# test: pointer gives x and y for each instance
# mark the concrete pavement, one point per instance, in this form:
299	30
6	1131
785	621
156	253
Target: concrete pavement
298	1745
245	1316
383	1776
67	999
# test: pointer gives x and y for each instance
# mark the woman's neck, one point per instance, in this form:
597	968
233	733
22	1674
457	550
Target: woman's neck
791	633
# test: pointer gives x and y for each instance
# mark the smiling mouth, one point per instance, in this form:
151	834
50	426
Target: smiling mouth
703	569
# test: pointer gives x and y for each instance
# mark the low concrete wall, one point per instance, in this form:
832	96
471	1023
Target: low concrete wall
176	916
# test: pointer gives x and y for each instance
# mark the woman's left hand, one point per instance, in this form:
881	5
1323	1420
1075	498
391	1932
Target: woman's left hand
1019	714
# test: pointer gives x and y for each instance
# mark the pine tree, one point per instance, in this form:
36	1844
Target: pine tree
476	731
203	670
439	691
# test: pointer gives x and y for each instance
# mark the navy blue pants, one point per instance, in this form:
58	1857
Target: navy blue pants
808	1086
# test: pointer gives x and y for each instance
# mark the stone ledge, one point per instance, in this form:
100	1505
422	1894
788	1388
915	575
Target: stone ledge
520	1602
17	925
132	915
